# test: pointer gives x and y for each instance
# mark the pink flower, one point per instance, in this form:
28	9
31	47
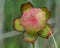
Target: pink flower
33	23
33	20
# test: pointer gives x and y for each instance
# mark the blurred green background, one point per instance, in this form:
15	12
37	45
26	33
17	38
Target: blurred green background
10	9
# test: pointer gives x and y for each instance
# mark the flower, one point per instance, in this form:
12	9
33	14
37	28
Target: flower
33	20
33	23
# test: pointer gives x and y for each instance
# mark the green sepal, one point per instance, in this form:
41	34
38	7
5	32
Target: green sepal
48	14
26	6
17	25
45	32
30	37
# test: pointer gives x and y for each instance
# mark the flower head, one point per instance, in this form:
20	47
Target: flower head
34	22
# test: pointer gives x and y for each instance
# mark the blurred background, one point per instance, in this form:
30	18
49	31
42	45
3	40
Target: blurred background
10	9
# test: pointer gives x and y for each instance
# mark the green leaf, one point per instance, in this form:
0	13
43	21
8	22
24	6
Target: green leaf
38	3
14	42
12	10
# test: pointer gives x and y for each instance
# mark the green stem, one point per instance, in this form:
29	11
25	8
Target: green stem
33	45
54	41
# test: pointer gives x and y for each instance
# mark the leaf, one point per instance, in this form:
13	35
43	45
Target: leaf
38	3
14	42
12	10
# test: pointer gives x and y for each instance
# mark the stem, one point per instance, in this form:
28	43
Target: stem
54	41
33	45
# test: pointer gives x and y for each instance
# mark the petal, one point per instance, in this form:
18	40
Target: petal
46	32
48	14
26	6
17	25
30	37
